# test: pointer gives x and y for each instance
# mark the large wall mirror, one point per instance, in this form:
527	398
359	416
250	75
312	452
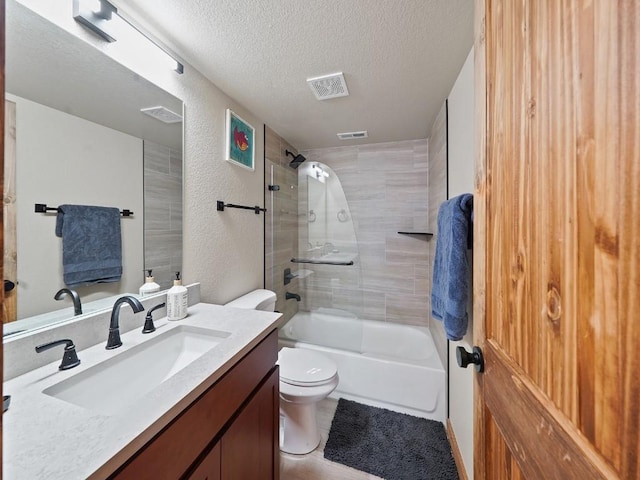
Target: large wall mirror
75	134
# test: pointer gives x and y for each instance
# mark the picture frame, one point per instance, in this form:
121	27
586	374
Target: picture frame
240	141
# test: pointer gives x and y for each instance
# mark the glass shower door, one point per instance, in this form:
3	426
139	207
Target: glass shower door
281	242
326	265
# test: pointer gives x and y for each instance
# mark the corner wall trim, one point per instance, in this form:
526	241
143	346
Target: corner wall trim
455	449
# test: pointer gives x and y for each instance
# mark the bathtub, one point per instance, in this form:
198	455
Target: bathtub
379	363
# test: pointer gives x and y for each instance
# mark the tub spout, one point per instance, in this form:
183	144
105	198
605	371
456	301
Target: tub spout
290	295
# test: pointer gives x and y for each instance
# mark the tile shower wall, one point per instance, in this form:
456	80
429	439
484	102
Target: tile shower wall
437	195
162	212
281	221
386	186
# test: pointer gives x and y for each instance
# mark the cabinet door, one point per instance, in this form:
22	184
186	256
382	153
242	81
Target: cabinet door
250	448
209	468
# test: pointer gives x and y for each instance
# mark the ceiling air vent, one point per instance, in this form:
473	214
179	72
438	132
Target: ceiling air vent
163	114
352	135
328	86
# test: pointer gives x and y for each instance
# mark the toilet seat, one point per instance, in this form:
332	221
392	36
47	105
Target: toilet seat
305	368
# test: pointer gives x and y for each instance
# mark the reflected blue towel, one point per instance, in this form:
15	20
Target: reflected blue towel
91	244
451	271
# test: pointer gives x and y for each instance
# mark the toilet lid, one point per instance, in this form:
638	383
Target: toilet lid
304	367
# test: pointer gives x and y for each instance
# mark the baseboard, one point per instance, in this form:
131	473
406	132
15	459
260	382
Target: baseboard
457	456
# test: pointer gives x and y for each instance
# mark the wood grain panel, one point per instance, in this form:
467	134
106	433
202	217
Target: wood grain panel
10	267
557	258
544	443
2	77
505	466
480	246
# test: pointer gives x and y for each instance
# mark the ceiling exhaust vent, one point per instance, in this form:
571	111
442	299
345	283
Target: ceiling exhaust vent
163	114
328	86
353	135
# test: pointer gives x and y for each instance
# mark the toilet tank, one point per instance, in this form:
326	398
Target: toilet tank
256	300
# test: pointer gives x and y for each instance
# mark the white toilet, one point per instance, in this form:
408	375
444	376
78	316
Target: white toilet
306	377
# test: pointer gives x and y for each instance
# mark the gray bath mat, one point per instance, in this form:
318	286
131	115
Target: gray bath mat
388	444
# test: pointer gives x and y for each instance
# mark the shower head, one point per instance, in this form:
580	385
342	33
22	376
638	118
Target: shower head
297	159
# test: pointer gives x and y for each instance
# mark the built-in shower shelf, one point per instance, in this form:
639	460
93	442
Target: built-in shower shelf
417	233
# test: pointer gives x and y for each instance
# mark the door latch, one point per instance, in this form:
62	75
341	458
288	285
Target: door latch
464	358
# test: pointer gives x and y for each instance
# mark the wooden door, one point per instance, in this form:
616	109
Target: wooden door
10	303
2	59
557	239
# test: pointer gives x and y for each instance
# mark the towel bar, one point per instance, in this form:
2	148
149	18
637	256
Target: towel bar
417	233
42	208
221	205
320	262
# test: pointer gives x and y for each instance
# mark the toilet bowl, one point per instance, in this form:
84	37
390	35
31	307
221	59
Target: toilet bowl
306	377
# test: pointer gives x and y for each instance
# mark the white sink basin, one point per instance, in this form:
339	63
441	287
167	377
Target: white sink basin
112	385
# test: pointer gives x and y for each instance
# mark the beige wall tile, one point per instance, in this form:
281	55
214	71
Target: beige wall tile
386	186
409	309
162	212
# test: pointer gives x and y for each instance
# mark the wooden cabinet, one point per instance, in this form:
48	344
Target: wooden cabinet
248	445
209	467
229	432
246	448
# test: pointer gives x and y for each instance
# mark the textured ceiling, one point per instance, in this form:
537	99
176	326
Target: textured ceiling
399	58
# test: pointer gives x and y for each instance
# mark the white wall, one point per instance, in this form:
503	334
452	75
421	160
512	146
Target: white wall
460	132
65	159
222	250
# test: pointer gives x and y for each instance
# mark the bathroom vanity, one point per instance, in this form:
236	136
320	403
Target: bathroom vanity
214	416
229	432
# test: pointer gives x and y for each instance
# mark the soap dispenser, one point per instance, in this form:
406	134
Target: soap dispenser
149	286
177	301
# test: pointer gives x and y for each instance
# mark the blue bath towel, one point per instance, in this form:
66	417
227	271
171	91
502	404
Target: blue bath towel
451	270
91	244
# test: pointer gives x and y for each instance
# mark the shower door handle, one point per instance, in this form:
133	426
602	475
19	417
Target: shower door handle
465	358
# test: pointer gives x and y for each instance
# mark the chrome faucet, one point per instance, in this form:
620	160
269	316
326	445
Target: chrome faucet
77	306
114	326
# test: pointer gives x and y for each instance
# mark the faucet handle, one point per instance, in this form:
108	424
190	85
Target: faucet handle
148	321
69	358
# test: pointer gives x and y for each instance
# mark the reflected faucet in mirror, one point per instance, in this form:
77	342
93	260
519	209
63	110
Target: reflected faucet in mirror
114	326
77	305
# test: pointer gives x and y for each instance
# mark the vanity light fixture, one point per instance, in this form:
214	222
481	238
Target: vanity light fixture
103	19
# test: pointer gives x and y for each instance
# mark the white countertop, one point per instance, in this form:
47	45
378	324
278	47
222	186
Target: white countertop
44	437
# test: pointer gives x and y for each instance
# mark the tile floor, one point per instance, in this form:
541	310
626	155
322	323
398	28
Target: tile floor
313	466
